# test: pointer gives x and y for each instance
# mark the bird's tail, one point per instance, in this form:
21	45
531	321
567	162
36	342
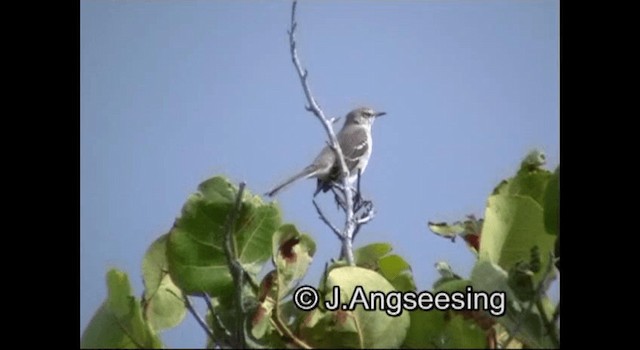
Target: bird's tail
306	172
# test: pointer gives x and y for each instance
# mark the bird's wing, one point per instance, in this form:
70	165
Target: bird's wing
354	144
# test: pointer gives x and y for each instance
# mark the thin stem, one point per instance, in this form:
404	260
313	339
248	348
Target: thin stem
198	318
237	271
325	220
282	327
214	314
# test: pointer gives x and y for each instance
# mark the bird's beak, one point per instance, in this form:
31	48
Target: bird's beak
380	114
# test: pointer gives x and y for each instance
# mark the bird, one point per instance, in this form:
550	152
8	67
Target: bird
356	144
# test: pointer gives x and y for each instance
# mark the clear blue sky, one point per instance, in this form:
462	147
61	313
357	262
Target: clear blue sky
174	92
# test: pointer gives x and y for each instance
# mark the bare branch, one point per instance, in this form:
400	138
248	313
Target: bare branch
326	221
349	227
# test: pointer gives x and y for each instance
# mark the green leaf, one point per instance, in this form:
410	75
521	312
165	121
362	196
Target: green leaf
260	321
521	282
445	270
118	323
489	277
446	275
368	256
426	331
397	271
533	160
443	330
292	255
513	225
463	334
469	229
446	230
392	267
453	285
552	204
357	328
163	306
195	252
530	180
532	184
223	325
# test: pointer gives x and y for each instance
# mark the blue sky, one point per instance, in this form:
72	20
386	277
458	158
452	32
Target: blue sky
175	92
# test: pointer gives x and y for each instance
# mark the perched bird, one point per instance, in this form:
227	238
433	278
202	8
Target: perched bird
356	144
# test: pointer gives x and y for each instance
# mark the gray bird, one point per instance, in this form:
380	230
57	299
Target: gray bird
356	144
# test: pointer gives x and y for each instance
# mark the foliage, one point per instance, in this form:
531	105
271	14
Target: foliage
208	255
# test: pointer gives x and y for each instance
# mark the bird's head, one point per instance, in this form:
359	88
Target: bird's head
363	115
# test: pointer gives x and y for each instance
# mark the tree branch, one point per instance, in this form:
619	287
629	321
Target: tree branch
349	226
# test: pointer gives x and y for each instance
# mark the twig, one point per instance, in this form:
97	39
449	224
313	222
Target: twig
198	318
283	328
347	233
325	220
214	314
237	271
249	279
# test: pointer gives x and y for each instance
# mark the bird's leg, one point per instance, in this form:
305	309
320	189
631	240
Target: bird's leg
357	197
318	189
358	201
362	203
